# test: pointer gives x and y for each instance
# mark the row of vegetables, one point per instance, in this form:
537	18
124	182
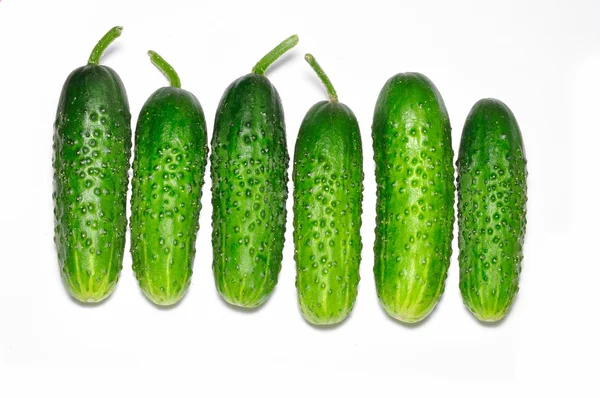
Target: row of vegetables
249	171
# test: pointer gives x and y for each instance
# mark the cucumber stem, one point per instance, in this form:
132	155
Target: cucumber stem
321	73
266	61
104	42
165	68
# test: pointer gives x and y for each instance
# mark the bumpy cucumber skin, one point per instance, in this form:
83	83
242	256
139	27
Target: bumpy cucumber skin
168	173
92	146
415	196
328	192
492	196
249	163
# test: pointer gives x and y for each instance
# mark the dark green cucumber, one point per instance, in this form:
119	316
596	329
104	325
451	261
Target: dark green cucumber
328	189
92	145
492	194
249	163
415	196
168	174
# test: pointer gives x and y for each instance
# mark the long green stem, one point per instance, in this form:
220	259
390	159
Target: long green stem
321	73
165	68
275	53
104	42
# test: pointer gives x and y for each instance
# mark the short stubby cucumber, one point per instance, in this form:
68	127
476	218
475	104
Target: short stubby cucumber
168	173
328	190
92	146
415	196
249	163
492	195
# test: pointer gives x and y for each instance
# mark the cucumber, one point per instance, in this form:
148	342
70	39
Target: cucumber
328	190
249	171
92	145
492	195
168	173
415	196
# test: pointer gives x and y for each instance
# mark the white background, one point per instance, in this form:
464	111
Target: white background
540	57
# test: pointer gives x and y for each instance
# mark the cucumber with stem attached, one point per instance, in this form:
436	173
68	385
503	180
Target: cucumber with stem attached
249	171
328	190
92	146
168	173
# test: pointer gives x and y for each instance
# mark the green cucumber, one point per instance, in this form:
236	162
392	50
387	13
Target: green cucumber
168	173
249	163
415	196
328	190
492	195
92	146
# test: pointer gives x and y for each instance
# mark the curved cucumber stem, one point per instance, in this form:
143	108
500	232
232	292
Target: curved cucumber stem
104	42
165	68
321	73
266	61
